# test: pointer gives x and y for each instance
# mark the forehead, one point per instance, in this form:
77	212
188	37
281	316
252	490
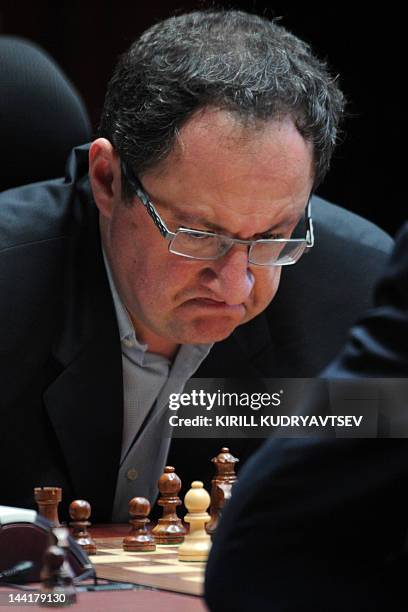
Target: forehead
220	169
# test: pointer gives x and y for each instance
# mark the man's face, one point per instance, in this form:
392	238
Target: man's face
219	177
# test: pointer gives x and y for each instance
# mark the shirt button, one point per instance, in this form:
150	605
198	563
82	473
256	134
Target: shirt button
132	474
128	342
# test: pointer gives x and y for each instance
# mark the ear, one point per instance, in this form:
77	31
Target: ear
105	175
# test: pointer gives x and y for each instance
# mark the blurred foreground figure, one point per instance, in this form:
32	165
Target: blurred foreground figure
321	524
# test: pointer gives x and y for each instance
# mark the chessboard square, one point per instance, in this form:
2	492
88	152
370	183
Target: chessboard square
197	565
167	548
108	551
132	556
119	558
161	569
156	553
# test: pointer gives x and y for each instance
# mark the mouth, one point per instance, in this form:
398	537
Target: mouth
215	305
210	301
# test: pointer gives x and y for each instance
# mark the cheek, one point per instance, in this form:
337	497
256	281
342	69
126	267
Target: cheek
159	277
266	286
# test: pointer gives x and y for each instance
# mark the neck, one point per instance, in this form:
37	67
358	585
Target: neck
156	344
164	349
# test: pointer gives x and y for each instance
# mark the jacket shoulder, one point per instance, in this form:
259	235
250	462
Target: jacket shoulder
335	222
327	291
47	210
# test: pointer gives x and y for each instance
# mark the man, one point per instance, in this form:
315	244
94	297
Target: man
162	258
321	524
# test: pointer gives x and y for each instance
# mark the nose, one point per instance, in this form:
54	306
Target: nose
230	278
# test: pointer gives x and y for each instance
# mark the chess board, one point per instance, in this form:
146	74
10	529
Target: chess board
160	569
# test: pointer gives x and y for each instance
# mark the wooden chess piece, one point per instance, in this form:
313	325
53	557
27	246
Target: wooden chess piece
47	499
197	542
80	511
56	579
139	539
169	528
221	486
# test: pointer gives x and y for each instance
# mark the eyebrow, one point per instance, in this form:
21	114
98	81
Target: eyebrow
190	220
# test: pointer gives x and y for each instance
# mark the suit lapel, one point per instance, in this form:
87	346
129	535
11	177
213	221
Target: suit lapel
85	403
240	356
85	406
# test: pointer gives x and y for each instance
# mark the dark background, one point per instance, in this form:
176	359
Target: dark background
364	47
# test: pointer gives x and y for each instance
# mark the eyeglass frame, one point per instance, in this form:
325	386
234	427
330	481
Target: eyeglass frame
144	197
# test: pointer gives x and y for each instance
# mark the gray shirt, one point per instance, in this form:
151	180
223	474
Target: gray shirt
148	380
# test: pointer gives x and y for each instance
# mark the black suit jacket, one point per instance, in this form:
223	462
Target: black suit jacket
322	525
60	355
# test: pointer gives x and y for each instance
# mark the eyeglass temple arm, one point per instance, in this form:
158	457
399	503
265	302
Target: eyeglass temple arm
309	224
142	195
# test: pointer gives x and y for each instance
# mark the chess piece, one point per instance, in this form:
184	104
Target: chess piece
139	539
47	499
169	529
80	511
61	535
57	579
197	542
221	486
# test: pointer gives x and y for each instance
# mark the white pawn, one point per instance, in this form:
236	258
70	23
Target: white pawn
197	542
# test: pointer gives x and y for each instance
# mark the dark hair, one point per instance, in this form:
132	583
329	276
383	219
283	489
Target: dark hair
226	59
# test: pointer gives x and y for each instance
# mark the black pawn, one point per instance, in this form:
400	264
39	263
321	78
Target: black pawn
139	539
80	511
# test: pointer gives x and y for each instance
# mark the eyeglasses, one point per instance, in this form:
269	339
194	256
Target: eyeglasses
197	244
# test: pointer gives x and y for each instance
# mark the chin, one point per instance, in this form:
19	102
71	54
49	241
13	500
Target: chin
207	334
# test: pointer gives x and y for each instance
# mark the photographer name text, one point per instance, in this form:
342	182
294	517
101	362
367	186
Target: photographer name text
252	420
